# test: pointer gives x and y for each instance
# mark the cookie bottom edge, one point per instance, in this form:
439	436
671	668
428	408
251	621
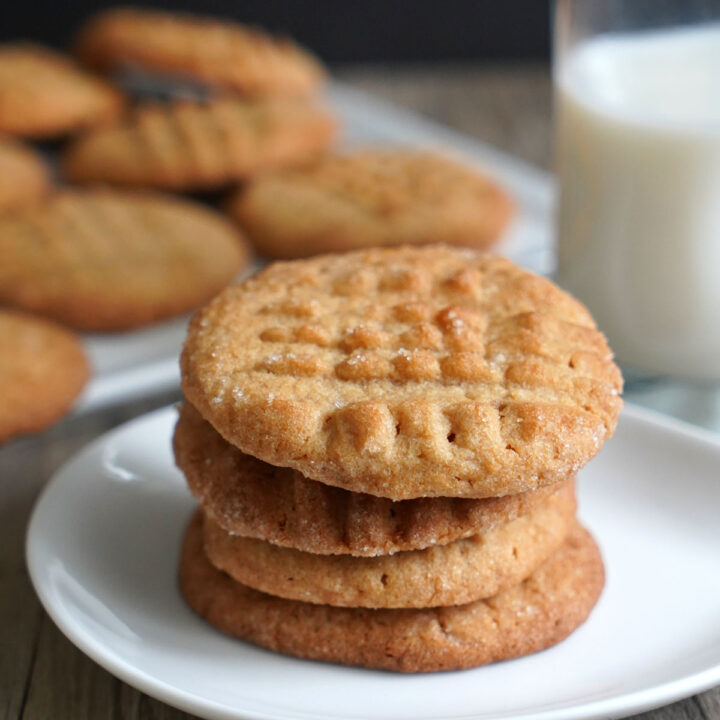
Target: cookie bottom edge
532	616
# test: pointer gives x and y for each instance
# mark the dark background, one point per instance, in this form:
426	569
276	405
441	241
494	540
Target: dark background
338	30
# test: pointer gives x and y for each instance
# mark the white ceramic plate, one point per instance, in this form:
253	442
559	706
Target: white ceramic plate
103	547
137	363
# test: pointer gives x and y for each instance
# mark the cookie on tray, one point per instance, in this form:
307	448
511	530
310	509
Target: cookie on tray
43	94
454	574
42	370
531	616
405	373
248	497
370	198
24	177
194	145
219	53
103	260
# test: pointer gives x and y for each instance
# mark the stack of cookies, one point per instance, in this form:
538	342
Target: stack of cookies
383	445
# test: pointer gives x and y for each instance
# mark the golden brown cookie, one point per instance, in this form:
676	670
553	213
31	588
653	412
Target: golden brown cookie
42	370
186	145
370	198
460	572
43	94
405	373
219	53
103	260
534	615
24	177
248	497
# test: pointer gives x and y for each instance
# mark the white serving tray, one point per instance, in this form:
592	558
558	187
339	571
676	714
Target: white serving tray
134	364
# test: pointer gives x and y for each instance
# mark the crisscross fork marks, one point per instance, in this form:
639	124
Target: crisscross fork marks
406	372
186	144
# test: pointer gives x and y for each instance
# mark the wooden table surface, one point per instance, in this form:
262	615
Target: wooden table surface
42	675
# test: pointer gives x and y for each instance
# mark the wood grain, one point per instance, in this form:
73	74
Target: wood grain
42	675
508	107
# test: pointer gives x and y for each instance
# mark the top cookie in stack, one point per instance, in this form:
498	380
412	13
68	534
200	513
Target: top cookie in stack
406	373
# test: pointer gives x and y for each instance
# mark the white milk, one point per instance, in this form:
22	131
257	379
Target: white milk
639	169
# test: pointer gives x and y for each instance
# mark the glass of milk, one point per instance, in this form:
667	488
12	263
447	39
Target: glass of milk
638	163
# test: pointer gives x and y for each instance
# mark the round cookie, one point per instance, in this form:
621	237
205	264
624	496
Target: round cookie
248	497
42	370
370	198
24	177
188	145
460	572
43	94
405	373
101	260
534	615
218	53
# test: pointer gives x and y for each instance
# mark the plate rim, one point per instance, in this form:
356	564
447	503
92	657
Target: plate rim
618	706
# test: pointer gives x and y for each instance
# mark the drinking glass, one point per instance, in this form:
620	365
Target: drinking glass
637	89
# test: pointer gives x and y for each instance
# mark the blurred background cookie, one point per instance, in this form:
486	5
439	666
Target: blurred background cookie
24	177
105	260
188	145
368	198
220	54
42	371
44	94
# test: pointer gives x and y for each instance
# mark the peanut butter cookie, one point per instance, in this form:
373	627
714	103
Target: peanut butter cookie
406	373
42	370
43	94
369	198
102	260
219	53
188	145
